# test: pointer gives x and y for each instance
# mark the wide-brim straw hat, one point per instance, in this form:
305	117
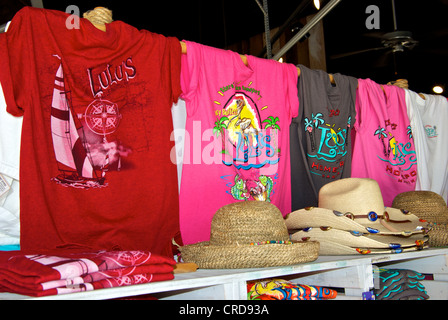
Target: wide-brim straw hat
249	234
355	204
424	204
359	241
438	235
430	206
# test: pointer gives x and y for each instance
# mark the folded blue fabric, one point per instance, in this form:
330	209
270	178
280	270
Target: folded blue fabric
10	248
400	284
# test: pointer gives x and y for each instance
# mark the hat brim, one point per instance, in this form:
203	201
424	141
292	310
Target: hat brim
357	240
321	217
438	235
207	256
336	249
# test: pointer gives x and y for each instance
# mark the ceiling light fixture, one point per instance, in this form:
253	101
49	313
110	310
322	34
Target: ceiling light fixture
437	89
317	4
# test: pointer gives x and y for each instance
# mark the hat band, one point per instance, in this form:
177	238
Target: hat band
270	242
373	216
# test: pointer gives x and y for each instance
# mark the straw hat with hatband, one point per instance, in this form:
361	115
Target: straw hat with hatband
355	204
249	234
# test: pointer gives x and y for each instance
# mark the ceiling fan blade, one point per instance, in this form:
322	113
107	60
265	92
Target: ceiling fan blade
443	52
383	60
347	54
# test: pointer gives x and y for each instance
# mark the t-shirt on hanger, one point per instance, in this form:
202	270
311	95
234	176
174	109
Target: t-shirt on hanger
383	148
321	134
237	149
95	167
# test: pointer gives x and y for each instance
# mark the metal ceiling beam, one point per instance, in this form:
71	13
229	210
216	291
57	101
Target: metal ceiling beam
285	25
267	29
302	32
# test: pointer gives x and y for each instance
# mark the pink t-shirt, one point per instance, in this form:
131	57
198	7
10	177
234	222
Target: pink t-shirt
237	134
384	148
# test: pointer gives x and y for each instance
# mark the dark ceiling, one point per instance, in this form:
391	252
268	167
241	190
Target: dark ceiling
220	23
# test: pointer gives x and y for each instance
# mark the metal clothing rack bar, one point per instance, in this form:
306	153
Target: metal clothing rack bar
302	32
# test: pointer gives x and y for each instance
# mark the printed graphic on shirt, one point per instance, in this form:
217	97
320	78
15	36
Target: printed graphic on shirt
328	151
102	117
398	155
431	131
261	191
248	147
80	141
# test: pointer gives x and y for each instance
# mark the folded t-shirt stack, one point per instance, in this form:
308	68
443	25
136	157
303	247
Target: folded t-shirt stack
400	284
44	275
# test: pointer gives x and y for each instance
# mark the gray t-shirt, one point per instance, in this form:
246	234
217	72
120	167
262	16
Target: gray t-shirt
321	134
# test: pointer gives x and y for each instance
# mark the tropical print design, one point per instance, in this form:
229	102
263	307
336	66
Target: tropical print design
249	145
279	289
327	145
399	156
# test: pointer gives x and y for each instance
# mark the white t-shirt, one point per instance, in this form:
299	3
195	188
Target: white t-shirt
10	135
420	139
433	112
179	114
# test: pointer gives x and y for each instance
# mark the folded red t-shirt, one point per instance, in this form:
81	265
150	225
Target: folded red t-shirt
45	274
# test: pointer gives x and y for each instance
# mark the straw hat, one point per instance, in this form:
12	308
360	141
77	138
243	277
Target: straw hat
358	242
438	235
355	204
430	206
249	234
426	205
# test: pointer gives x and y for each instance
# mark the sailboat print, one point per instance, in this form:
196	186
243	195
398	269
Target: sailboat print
74	161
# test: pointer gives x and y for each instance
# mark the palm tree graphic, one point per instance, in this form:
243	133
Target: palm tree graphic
317	119
349	123
309	127
409	132
381	133
271	122
218	129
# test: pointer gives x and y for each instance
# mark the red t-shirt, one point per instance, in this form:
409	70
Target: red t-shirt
95	156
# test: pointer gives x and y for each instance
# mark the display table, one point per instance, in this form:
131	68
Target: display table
354	274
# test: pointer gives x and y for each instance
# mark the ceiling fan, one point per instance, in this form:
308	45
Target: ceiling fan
395	41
